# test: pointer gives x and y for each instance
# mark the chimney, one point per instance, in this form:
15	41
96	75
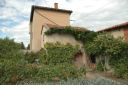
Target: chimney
56	5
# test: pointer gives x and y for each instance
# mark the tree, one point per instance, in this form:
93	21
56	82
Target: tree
104	46
22	45
28	47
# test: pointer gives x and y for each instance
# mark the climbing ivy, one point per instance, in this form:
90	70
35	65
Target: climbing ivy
80	34
58	53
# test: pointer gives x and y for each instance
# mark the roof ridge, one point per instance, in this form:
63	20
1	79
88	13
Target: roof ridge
51	8
46	8
113	27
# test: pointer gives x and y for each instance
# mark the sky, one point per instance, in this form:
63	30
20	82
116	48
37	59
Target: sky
91	14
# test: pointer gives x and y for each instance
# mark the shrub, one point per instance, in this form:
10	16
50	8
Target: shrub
10	67
100	66
119	62
15	66
114	52
22	45
61	71
58	53
7	46
104	45
11	61
31	57
55	62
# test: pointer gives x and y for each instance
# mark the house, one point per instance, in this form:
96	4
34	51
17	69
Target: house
43	15
45	18
120	30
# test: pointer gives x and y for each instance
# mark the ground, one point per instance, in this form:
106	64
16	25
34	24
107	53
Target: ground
109	75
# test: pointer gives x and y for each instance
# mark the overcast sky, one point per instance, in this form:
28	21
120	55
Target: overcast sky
91	14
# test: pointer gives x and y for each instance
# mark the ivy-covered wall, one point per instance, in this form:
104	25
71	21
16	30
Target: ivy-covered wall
78	34
56	53
81	36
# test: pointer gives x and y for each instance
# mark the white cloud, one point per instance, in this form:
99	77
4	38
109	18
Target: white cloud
19	32
106	14
93	14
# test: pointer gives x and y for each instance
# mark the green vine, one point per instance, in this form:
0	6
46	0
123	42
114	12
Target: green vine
58	53
78	34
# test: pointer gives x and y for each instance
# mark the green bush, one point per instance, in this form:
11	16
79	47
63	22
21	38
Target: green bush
17	66
53	54
11	66
58	53
7	46
54	62
10	74
104	45
114	52
119	62
99	66
61	71
30	57
11	61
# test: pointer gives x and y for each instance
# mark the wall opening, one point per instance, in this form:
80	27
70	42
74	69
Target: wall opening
78	58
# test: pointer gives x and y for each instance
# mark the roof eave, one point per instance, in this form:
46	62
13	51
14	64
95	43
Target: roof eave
114	27
46	8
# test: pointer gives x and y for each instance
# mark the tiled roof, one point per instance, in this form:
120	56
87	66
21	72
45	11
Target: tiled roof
47	8
115	27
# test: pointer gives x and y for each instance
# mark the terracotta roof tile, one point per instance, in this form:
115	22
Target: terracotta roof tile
115	27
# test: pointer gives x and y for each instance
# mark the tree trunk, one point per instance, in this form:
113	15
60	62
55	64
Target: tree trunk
107	62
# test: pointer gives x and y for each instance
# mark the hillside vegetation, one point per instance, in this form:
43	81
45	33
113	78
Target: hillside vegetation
55	62
53	65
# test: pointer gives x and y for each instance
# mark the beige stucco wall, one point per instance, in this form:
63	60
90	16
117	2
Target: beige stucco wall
117	33
63	39
60	18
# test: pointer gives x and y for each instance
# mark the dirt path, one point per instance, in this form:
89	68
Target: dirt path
93	75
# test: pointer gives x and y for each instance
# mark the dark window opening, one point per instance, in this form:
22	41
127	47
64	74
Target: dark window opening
93	59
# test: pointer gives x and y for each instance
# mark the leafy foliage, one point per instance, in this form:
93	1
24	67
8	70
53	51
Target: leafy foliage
83	36
15	66
11	60
55	63
28	47
119	62
58	53
114	50
58	72
100	66
22	45
7	45
103	45
31	57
